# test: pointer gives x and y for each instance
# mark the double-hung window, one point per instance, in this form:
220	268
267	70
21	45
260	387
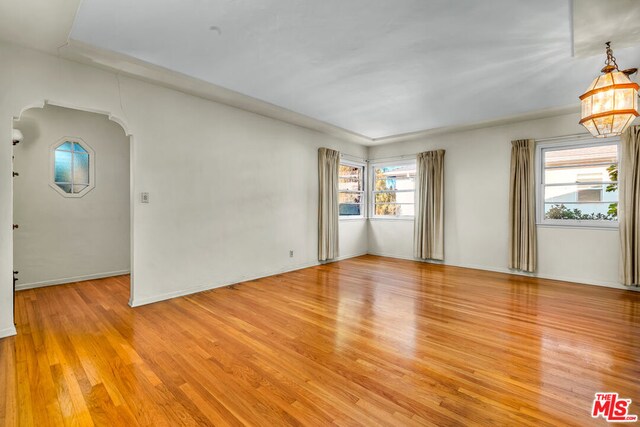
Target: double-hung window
578	183
393	189
351	190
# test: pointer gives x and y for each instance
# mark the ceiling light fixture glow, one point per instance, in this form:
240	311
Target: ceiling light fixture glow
610	103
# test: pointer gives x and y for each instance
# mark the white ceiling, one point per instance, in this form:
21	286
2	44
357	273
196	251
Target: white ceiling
38	24
598	21
374	67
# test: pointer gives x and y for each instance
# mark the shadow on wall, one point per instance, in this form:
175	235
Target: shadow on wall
29	128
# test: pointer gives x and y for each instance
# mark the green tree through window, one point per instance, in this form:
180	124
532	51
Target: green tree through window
384	184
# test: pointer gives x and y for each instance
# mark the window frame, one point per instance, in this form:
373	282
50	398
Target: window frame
372	192
363	204
52	166
574	142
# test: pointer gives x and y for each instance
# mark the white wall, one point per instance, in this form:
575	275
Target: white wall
354	238
64	239
231	192
476	207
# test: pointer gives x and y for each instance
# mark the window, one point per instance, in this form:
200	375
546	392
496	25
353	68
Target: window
393	189
72	167
351	188
578	183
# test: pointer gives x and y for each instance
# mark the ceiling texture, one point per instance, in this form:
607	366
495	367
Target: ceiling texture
375	68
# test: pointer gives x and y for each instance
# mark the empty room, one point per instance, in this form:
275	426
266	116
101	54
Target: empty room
356	212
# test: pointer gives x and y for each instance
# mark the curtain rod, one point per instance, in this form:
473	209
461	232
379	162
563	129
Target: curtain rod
352	157
401	157
562	138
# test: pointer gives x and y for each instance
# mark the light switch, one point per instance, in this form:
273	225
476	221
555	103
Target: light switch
144	197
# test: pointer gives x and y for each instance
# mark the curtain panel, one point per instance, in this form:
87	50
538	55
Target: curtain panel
522	212
328	216
629	206
429	218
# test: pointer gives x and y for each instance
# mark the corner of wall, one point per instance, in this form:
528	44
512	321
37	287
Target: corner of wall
8	332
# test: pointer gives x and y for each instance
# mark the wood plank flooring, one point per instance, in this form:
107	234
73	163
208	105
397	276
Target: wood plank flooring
366	341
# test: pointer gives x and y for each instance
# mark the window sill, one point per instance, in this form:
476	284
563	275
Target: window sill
579	226
377	218
357	218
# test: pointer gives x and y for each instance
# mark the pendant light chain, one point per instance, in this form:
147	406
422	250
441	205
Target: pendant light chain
610	58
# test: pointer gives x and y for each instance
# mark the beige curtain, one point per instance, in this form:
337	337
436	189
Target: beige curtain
328	164
429	218
629	206
522	212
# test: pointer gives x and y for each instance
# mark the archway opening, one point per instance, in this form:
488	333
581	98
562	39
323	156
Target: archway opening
72	203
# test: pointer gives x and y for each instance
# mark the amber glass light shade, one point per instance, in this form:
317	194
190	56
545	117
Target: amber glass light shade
610	104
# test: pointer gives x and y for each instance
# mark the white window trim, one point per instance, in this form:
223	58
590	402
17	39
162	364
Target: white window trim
52	161
573	143
371	191
363	209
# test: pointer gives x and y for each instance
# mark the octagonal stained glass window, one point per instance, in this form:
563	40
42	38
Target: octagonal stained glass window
72	167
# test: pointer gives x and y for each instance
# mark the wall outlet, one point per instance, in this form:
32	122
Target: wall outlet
144	197
290	254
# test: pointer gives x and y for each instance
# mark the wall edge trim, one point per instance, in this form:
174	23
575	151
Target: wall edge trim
576	280
67	280
137	302
8	332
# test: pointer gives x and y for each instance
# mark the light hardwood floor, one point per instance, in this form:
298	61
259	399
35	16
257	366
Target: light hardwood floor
370	340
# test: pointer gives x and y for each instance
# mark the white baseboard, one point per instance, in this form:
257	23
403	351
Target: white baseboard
137	302
62	281
8	332
386	255
340	258
343	257
580	281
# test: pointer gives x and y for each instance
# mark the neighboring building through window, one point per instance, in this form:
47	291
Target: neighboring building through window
578	183
351	188
393	189
72	167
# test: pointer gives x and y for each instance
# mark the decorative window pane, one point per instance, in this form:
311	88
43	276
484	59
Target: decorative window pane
72	163
579	183
63	166
66	146
65	187
351	190
393	191
80	168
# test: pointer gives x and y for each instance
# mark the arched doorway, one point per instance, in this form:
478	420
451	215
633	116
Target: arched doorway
72	197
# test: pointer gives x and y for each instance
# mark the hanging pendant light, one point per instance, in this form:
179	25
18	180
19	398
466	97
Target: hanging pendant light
611	102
